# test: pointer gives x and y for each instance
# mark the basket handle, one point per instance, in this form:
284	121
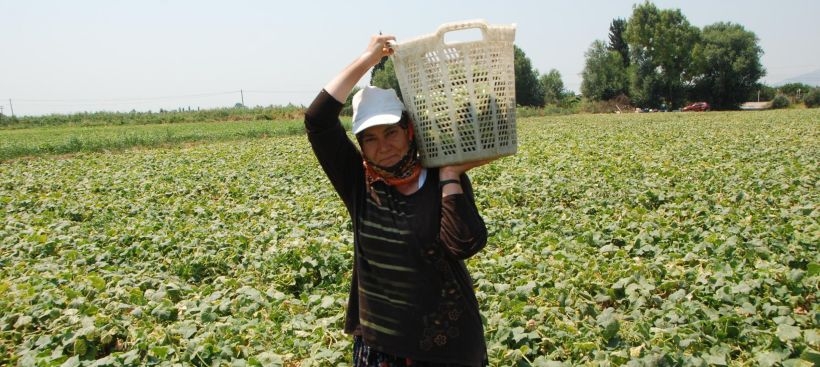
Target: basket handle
459	26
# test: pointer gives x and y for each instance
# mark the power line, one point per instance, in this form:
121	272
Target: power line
131	99
146	99
282	91
225	98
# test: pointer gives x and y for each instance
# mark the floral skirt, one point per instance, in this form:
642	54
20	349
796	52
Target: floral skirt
363	356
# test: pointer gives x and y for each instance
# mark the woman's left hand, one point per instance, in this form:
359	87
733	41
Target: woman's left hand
454	172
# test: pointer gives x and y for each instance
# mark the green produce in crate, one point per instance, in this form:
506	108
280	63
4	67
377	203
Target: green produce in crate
469	127
460	94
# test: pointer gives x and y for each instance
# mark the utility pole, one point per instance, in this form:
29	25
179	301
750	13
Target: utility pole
12	108
242	96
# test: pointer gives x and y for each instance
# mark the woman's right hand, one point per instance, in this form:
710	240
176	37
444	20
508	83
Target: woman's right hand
378	48
341	85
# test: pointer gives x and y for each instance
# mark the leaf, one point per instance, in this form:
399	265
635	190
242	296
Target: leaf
795	362
813	269
43	340
327	301
22	322
208	316
186	329
97	282
609	323
131	357
788	332
767	359
80	346
104	362
162	352
519	334
544	362
71	362
165	312
715	359
266	359
812	337
811	355
584	346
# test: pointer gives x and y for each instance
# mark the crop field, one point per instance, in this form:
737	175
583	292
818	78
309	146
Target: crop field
34	141
635	239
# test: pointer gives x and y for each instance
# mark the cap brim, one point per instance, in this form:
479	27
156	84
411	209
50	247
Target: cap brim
375	120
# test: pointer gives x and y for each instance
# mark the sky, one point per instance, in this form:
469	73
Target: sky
117	55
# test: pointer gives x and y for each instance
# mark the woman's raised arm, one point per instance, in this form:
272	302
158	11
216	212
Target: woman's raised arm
340	86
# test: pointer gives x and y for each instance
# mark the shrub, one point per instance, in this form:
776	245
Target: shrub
620	103
780	101
549	110
812	99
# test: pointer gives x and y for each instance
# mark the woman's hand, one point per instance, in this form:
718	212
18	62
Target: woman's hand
455	171
341	85
378	48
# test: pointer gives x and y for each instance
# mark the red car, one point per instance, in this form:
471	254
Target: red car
697	107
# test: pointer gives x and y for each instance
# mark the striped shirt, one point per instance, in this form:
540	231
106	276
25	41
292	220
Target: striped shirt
411	295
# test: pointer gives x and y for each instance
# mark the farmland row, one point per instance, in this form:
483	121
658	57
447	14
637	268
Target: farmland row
655	238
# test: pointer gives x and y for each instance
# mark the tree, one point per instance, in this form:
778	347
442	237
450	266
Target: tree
761	92
781	101
726	65
528	90
812	99
660	44
617	42
604	76
385	77
553	87
378	67
347	110
796	91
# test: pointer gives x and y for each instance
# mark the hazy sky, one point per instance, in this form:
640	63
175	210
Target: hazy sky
83	55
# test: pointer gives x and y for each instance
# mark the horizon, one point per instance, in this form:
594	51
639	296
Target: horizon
96	56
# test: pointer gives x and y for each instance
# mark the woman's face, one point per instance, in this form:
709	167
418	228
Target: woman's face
385	145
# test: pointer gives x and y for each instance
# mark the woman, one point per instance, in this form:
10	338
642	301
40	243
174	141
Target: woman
411	300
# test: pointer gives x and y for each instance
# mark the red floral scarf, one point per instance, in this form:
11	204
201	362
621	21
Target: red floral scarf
404	171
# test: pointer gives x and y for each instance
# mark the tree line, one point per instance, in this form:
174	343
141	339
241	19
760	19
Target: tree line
659	60
654	59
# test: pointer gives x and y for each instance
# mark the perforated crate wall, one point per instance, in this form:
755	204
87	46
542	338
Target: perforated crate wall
461	96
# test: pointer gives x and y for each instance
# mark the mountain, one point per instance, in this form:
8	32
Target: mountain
812	78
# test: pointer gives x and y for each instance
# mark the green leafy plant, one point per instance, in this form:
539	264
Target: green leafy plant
781	101
812	99
657	239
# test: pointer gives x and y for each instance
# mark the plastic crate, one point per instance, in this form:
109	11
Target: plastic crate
460	95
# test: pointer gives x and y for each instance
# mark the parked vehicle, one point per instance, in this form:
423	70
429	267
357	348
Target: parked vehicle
696	107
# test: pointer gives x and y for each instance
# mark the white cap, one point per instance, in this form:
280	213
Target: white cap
375	106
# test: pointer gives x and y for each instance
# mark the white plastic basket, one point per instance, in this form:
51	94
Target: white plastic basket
460	95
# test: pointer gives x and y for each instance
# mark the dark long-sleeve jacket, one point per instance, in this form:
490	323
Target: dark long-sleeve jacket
411	295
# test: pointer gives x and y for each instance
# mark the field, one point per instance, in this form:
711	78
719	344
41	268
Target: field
639	239
35	141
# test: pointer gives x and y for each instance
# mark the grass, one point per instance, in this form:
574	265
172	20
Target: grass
39	141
